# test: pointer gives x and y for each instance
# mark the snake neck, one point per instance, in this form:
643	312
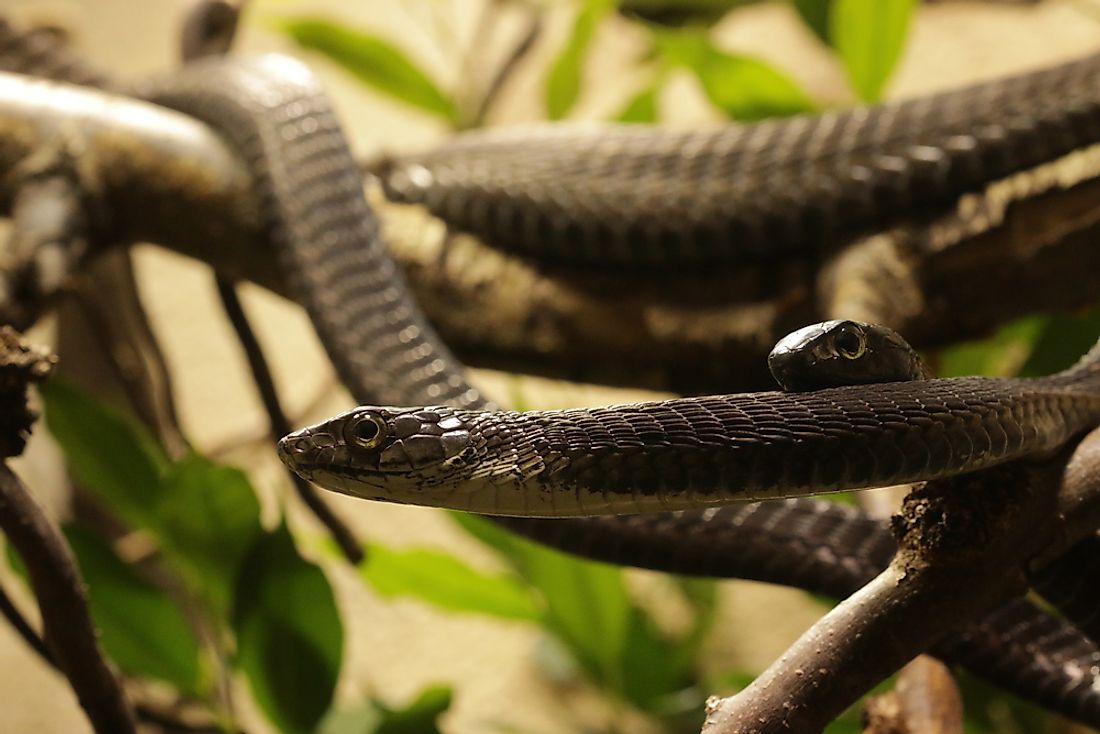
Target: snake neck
326	237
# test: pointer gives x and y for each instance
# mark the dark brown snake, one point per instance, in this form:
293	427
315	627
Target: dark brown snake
327	242
654	197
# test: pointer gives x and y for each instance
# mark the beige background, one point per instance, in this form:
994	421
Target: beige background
395	648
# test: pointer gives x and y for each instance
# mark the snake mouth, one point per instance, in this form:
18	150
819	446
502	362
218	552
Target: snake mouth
293	454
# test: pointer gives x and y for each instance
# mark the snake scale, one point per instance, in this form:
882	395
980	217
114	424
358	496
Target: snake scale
273	111
653	197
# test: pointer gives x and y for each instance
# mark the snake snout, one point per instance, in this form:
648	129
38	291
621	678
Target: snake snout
297	450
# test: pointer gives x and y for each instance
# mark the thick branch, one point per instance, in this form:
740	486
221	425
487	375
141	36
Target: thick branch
54	577
691	332
60	593
965	543
48	238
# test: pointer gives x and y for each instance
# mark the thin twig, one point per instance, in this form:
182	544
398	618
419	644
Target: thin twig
261	373
507	68
23	627
59	589
37	644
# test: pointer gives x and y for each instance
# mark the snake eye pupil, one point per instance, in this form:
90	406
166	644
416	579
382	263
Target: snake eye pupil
368	432
850	343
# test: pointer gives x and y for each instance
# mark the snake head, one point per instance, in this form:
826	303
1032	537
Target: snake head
843	352
382	448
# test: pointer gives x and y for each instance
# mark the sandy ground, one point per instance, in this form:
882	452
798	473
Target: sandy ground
395	648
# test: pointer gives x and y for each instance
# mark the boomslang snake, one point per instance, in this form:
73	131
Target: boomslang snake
694	452
648	196
329	248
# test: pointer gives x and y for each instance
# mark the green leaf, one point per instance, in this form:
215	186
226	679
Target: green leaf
140	627
869	36
730	682
680	12
563	83
1061	341
993	711
587	607
496	537
652	666
209	519
363	719
419	717
289	634
815	14
443	581
642	107
742	87
702	595
586	604
846	723
108	453
374	61
1001	355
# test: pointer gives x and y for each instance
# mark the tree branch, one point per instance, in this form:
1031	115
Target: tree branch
964	546
54	577
48	237
699	331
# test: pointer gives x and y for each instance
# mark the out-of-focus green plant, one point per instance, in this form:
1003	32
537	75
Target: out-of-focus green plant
867	35
564	78
219	593
375	61
584	606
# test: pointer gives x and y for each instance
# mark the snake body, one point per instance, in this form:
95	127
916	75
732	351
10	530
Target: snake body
834	549
384	349
693	452
389	355
650	196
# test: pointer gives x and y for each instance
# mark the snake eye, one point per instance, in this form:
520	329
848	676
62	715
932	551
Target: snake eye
850	342
367	432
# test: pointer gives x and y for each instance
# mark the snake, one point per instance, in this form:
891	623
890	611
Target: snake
694	452
653	197
328	243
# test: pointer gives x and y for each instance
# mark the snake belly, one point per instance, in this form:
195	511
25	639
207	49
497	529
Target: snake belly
1018	648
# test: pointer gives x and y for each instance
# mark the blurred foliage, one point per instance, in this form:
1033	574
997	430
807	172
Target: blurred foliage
563	82
243	591
374	61
418	717
219	594
867	36
742	87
